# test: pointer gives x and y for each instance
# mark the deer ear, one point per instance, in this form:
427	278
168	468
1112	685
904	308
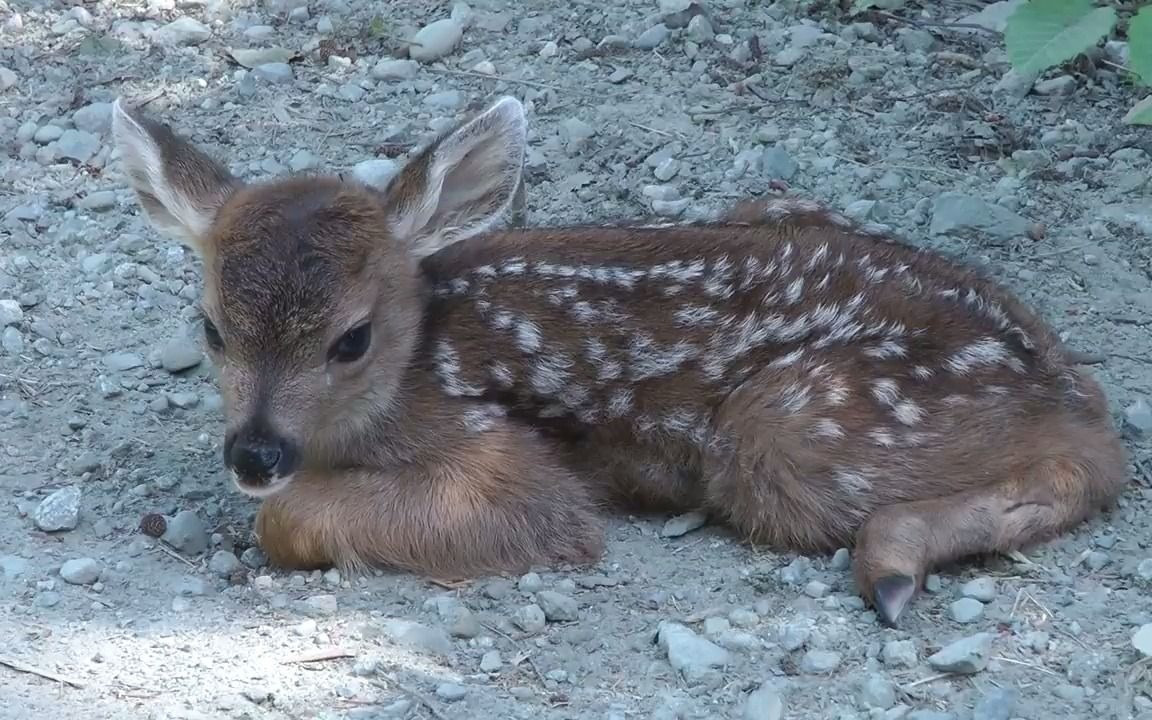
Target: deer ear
179	187
460	185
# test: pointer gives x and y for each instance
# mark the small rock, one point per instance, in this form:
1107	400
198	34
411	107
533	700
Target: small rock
689	653
953	212
700	29
302	160
186	533
12	566
671	7
191	586
224	563
1061	85
966	655
98	201
180	354
451	692
276	72
123	361
575	133
375	173
530	618
8	79
929	715
1144	569
252	58
183	31
557	607
966	610
1138	419
418	636
1096	560
83	571
743	618
816	589
12	341
447	100
997	704
793	637
320	605
651	38
530	583
10	313
59	511
47	599
77	145
254	558
435	40
982	589
1142	640
395	69
876	691
841	560
491	661
94	118
764	703
683	524
778	164
817	662
899	653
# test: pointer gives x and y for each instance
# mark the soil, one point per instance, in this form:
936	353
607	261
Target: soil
908	117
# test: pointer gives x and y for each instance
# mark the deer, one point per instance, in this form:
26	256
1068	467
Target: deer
408	383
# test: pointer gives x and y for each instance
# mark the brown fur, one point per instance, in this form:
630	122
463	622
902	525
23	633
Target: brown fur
814	383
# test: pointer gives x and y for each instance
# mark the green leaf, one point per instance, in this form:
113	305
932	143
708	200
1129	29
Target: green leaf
1043	33
1140	44
1141	113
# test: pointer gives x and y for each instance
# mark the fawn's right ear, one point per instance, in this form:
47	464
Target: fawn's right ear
179	187
460	185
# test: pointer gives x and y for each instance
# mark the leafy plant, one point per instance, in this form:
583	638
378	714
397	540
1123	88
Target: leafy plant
1045	33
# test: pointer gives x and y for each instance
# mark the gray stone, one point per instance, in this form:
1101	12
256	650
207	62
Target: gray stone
183	31
557	607
700	29
651	38
764	703
78	145
224	563
375	173
191	586
530	583
13	566
395	69
817	662
491	661
276	72
59	511
255	57
899	653
180	354
1138	418
98	202
778	164
743	618
929	715
12	341
683	524
982	589
320	605
876	691
688	653
530	618
954	212
816	589
445	100
451	692
966	610
575	133
1142	640
966	655
419	637
10	313
997	704
841	560
435	40
1144	569
1096	560
95	118
185	531
123	361
82	571
48	133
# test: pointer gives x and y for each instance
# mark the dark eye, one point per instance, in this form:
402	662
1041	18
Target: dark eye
212	335
352	345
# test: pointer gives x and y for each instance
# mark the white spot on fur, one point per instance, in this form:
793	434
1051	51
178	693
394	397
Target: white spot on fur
501	375
886	391
447	362
790	359
924	373
908	412
549	374
694	315
983	352
481	418
887	349
621	403
883	438
528	337
649	359
795	289
852	482
827	428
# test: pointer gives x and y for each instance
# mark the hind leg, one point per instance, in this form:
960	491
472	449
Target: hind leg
1055	488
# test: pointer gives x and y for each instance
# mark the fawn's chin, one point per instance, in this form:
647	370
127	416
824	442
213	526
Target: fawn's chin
261	489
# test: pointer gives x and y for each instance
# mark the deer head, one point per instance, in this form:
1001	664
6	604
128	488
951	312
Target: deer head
312	299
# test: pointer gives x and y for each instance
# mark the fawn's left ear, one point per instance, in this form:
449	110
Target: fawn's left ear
462	184
179	186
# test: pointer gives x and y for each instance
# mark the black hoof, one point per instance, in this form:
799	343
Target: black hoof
891	596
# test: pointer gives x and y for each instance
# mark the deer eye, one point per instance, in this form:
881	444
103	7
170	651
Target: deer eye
352	345
212	336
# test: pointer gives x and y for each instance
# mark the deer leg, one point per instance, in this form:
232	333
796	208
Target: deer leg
900	544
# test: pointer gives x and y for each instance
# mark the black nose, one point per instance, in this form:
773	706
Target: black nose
257	454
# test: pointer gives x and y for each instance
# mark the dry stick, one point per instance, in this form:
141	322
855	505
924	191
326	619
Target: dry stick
319	655
18	666
929	679
415	695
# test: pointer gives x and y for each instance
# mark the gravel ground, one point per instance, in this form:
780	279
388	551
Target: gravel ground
108	413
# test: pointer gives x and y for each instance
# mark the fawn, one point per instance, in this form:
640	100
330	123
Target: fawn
407	385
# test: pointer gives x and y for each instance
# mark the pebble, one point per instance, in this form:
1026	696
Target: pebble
491	661
224	563
689	653
1096	560
954	212
700	29
95	118
841	560
47	599
59	511
82	571
180	354
123	361
451	692
876	691
8	78
47	134
12	341
575	133
557	607
418	636
12	566
982	589
1144	569
276	72
99	201
816	589
743	618
997	704
320	605
185	532
183	31
395	69
530	618
899	653
966	610
1138	418
683	524
78	145
1142	639
530	583
820	661
191	586
778	164
966	655
651	38
435	40
10	313
764	703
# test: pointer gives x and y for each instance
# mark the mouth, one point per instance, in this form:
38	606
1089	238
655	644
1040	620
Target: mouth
260	488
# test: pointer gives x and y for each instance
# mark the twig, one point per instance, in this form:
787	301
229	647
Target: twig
1034	666
163	547
417	696
18	666
319	655
929	679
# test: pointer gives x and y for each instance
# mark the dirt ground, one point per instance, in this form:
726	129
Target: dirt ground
108	411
